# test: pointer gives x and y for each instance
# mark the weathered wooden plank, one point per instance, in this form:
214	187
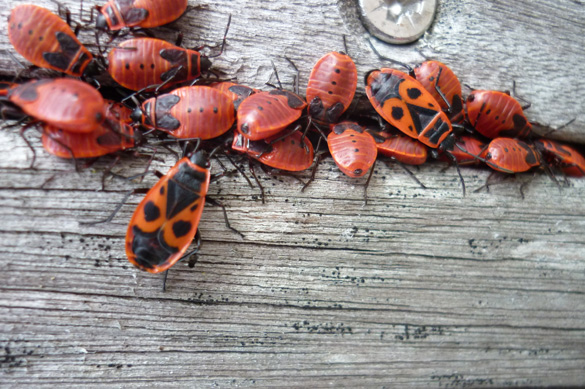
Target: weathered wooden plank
416	288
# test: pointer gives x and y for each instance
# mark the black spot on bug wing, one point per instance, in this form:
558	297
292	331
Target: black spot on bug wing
335	112
166	102
397	113
413	93
181	228
531	158
28	91
242	91
293	100
174	56
68	45
167	122
135	15
151	211
519	122
58	60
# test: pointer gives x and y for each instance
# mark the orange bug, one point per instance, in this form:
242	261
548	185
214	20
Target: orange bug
141	62
404	102
434	74
45	40
166	220
401	148
496	114
331	87
353	150
66	103
188	112
291	153
117	14
509	155
264	114
473	148
113	135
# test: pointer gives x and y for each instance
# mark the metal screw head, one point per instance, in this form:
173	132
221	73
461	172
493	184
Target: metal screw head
397	21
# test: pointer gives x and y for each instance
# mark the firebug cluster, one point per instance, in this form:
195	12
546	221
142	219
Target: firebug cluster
174	94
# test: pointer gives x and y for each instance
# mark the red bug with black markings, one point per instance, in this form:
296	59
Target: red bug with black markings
509	155
402	148
404	103
292	153
569	160
138	63
353	149
118	14
166	220
66	103
45	40
466	150
331	87
264	114
435	76
188	112
496	114
113	135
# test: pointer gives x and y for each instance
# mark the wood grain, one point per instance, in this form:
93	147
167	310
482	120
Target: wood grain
416	288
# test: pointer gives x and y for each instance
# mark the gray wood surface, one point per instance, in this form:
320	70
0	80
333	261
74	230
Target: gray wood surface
418	288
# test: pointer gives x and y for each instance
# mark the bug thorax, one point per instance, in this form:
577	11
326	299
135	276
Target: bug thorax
101	23
200	158
205	64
